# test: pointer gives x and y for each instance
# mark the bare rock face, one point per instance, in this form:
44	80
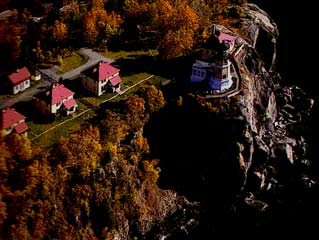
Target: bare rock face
275	116
247	155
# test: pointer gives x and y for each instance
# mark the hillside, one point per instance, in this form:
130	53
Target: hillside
167	162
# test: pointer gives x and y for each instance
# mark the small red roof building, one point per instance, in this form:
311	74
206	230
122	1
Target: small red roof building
56	99
106	71
19	80
116	80
19	76
11	120
69	103
101	78
59	93
226	37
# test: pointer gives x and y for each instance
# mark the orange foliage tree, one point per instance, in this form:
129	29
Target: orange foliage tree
99	26
60	31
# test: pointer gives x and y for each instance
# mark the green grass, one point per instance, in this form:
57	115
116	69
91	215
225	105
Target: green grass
71	62
158	80
73	125
82	106
52	136
123	54
132	79
5	97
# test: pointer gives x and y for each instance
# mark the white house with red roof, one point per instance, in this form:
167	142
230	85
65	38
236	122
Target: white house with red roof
19	80
101	78
12	121
57	99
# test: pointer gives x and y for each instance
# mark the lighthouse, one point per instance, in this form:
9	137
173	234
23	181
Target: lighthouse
221	79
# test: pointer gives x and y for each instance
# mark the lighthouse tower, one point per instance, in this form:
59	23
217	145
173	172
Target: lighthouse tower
221	79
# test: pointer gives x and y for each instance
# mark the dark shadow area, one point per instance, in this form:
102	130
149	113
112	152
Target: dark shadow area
264	47
32	114
133	64
296	23
174	68
196	151
75	85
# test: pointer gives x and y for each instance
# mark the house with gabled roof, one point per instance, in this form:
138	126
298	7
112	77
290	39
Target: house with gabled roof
101	78
19	80
12	121
56	100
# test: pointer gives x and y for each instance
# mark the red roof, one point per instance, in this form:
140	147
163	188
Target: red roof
115	81
70	103
21	127
106	70
226	37
59	93
9	117
19	76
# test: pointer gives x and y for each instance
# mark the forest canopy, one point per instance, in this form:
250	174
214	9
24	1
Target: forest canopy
38	32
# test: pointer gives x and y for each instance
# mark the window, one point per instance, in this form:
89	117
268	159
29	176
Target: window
202	74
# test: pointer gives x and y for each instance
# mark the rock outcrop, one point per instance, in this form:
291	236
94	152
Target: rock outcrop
241	163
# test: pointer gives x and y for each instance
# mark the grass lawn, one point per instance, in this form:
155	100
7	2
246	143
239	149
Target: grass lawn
5	97
132	79
74	124
71	62
123	54
52	136
159	80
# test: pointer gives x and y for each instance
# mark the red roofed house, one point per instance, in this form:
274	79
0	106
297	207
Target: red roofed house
226	38
20	80
12	121
57	99
101	78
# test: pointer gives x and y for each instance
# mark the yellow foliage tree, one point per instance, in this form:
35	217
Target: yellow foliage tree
154	98
82	151
20	146
59	31
99	25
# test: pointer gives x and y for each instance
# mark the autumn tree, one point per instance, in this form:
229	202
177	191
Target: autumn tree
5	157
85	158
135	112
174	21
20	146
115	127
153	97
10	41
99	26
59	31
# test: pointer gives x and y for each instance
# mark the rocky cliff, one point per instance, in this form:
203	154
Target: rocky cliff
243	162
